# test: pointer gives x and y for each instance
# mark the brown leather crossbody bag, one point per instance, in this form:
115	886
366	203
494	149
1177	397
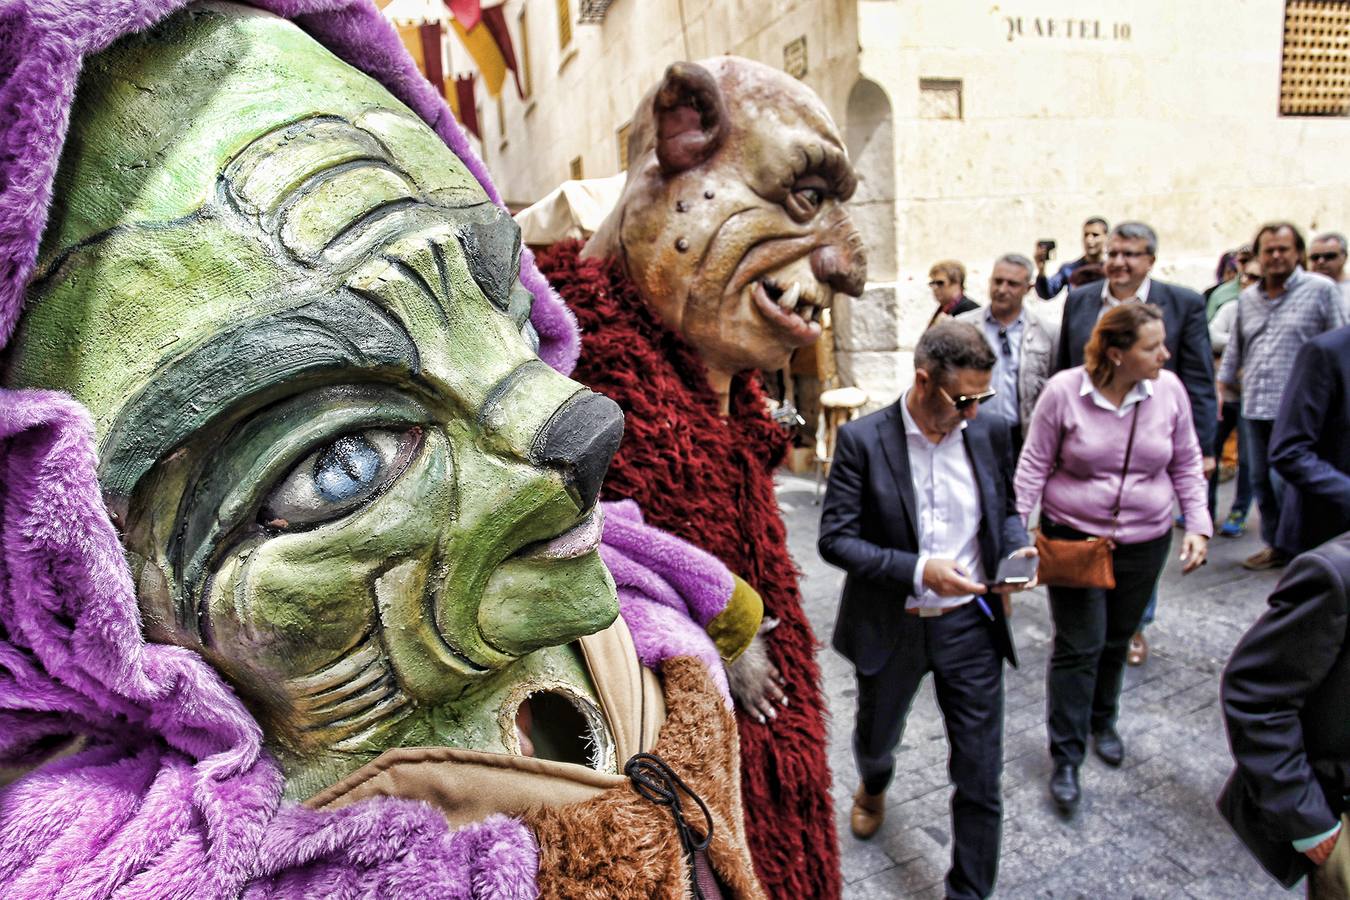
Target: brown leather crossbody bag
1084	563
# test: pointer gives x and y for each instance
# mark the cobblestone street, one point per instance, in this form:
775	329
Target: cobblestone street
1147	830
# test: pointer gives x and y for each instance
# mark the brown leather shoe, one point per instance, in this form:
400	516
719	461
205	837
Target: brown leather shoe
1266	558
1137	654
869	810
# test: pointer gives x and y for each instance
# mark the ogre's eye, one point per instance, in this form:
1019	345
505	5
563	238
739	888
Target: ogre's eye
806	197
338	477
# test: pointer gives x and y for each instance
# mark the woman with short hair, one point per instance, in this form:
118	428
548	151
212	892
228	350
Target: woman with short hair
1110	444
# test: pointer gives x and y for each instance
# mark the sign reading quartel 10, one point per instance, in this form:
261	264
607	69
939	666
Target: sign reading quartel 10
1065	27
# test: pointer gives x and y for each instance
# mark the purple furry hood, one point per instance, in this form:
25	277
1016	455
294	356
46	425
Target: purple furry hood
168	792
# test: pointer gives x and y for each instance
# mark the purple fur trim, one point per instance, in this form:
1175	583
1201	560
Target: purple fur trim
42	45
667	569
661	633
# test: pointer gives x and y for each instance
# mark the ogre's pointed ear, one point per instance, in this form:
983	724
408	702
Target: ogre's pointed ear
691	117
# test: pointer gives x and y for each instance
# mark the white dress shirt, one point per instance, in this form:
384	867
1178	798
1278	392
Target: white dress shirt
948	508
1110	302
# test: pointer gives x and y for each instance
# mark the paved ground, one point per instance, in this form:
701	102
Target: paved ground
1146	830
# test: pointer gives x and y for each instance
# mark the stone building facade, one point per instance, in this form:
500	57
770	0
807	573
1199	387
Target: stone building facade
977	128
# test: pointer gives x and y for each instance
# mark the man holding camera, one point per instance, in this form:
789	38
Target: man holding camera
1094	242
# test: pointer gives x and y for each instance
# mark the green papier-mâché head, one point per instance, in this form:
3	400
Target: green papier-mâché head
341	472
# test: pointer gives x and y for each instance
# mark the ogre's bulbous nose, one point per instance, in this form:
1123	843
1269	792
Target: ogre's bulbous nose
581	438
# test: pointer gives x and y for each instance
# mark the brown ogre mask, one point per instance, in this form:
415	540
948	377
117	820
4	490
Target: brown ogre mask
732	222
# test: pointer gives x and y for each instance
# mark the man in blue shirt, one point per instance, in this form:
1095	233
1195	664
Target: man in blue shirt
1023	345
1094	242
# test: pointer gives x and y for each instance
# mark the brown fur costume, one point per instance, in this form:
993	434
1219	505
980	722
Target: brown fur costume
709	480
617	846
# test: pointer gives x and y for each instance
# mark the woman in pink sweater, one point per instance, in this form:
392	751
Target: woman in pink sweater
1072	464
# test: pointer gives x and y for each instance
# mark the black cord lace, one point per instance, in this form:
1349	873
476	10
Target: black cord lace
655	781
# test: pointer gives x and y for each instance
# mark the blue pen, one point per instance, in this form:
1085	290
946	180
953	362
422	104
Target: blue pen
985	607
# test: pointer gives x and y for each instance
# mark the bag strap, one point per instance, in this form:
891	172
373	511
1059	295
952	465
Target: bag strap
1125	470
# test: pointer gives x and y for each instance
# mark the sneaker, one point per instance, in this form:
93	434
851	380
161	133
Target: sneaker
1234	525
1268	558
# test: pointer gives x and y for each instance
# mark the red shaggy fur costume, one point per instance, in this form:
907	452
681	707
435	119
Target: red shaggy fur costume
709	480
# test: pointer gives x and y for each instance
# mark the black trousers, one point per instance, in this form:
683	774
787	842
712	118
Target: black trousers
968	677
1092	635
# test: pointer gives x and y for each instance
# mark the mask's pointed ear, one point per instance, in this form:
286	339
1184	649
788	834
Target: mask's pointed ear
691	117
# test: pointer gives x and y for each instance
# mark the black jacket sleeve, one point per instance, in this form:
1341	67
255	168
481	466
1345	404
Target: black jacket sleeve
1276	665
1314	386
841	542
1195	368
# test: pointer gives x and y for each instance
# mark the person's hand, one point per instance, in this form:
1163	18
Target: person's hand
1194	549
1041	256
1322	852
755	681
1209	463
1006	589
946	578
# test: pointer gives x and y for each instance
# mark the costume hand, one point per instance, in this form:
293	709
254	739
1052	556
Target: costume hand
1209	463
1322	852
1006	589
1194	549
755	681
946	578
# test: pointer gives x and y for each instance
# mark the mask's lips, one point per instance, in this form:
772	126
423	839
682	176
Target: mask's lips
788	309
576	541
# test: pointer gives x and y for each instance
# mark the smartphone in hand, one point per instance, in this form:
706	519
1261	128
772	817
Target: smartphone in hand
1016	570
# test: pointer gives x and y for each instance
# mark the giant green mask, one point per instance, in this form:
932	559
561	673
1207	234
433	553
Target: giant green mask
342	474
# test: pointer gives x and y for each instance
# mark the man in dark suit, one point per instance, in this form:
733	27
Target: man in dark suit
1131	250
1309	445
1285	694
919	512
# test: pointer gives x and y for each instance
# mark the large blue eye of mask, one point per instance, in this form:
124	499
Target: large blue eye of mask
337	478
345	468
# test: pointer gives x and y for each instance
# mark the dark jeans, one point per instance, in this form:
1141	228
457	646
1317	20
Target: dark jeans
1092	635
1267	485
1242	500
968	678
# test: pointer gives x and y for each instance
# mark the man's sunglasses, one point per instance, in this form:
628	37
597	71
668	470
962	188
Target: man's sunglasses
964	402
1322	257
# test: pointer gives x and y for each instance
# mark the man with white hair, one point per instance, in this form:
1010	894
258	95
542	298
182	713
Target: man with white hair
1023	345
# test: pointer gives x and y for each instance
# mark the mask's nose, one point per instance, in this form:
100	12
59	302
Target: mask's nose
581	439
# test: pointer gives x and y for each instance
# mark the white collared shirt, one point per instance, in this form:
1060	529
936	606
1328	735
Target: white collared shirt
1110	302
1142	390
947	501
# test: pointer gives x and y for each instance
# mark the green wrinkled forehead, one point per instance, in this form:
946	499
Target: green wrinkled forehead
238	211
159	114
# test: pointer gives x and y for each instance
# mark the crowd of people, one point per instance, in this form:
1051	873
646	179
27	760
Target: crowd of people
1085	443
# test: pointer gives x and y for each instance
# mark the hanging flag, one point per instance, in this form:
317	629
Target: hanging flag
487	56
466	12
494	18
489	43
430	34
467	109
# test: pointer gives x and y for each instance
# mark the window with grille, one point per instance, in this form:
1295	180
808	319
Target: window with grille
622	139
1315	75
564	23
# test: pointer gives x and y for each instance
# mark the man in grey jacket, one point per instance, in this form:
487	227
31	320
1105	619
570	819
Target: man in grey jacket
1023	345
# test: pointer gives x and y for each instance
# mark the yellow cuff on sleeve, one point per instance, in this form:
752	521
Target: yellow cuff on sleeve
734	627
